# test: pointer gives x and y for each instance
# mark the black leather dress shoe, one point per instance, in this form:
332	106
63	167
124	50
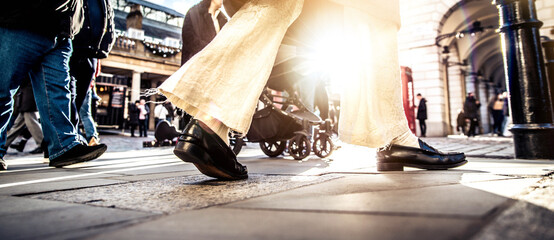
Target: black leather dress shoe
396	157
202	147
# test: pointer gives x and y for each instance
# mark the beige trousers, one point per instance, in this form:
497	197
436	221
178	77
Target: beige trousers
226	78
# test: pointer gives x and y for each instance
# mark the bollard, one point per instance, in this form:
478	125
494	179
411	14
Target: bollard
548	47
529	96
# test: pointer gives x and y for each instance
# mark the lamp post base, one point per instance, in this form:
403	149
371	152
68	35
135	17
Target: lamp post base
533	141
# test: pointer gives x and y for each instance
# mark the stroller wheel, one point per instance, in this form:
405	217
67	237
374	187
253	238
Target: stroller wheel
323	146
273	149
299	147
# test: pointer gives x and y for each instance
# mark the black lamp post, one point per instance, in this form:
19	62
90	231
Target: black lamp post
528	89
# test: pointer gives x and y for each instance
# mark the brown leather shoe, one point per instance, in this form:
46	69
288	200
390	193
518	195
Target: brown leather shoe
199	145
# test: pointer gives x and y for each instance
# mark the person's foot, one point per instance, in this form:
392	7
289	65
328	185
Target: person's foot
205	149
19	146
36	151
396	157
3	164
77	154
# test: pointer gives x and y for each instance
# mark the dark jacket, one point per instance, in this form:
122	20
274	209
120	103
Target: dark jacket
48	17
96	38
422	109
471	108
170	110
133	114
198	29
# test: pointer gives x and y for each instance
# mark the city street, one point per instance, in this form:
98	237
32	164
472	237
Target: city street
147	193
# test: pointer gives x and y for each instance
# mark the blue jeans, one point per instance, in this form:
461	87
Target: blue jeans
46	60
86	117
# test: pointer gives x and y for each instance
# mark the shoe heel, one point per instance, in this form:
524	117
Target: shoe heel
192	154
389	166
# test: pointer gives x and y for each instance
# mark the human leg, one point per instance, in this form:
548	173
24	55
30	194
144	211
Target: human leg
132	128
86	118
50	80
83	70
372	112
423	127
15	131
32	123
19	51
142	127
237	62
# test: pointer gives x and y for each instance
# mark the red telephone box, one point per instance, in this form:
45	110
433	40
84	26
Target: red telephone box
408	97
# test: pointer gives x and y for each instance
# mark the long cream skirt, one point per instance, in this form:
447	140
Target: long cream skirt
226	78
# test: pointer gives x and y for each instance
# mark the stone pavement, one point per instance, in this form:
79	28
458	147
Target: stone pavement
136	193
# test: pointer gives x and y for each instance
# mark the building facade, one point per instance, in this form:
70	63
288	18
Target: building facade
146	52
446	65
451	47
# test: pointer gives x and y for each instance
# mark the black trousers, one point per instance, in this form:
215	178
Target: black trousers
498	119
82	70
422	127
132	127
473	123
142	127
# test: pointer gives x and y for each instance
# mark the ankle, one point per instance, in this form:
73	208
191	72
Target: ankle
216	126
406	139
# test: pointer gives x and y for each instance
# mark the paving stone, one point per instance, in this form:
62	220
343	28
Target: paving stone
152	176
509	188
57	186
21	205
540	193
50	219
384	194
10	178
217	223
511	167
181	193
523	220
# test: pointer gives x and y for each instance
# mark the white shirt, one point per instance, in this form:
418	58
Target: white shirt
160	111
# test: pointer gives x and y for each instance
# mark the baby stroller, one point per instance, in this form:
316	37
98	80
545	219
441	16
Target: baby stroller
282	122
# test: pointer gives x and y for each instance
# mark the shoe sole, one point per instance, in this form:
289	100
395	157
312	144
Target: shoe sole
88	157
383	167
206	168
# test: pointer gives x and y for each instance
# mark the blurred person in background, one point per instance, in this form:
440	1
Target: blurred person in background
471	112
422	114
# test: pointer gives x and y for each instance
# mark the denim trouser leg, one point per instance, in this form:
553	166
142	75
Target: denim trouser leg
86	117
50	80
20	50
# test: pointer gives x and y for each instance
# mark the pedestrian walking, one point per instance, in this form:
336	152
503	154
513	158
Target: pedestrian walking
160	113
27	120
94	42
461	123
471	112
203	22
85	114
144	110
239	61
133	116
496	108
35	40
422	114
